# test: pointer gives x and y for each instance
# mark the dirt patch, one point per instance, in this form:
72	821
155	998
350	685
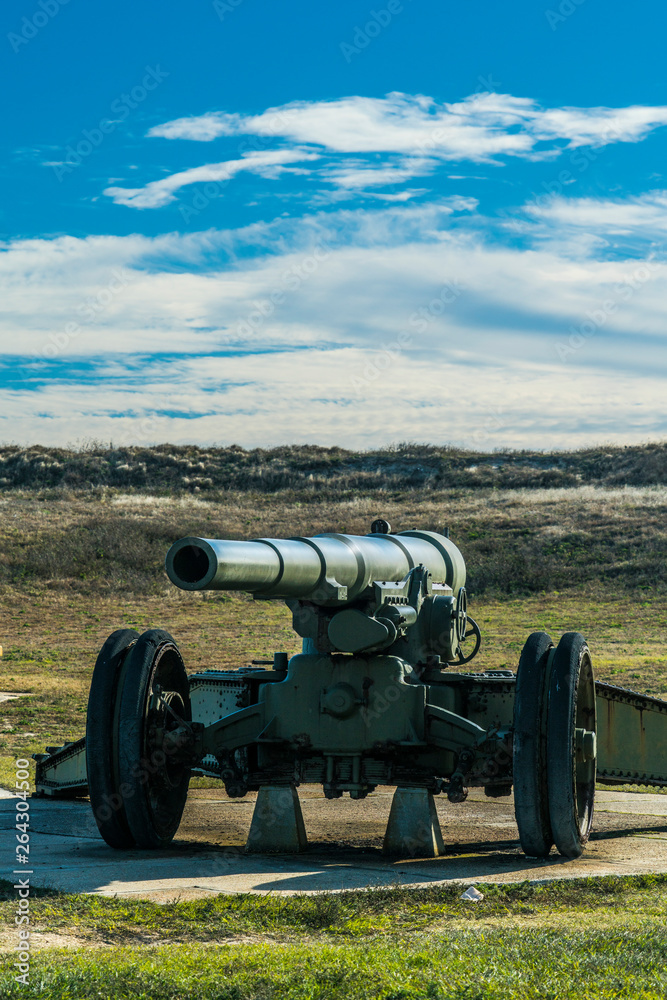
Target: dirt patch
42	940
478	824
39	940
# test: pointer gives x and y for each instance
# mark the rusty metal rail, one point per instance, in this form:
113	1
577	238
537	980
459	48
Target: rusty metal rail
61	771
631	737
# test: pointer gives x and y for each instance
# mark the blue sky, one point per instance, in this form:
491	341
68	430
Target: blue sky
347	223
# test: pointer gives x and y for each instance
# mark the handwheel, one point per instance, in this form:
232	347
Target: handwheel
154	772
531	800
102	739
571	745
461	614
472	628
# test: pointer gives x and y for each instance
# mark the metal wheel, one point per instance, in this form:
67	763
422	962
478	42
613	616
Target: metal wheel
531	799
153	725
571	745
102	740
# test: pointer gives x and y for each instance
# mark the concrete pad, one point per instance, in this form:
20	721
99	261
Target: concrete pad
58	816
67	853
638	803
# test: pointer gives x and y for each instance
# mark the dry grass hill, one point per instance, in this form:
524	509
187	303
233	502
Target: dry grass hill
312	469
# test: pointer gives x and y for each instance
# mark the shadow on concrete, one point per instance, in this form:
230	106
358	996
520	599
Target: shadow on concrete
626	831
68	854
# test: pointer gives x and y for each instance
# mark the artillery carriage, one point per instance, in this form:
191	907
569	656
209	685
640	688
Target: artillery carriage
378	695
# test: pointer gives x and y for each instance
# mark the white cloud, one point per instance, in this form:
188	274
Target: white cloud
267	163
388	196
334	319
286	397
483	128
599	126
356	176
347	277
477	128
202	128
645	214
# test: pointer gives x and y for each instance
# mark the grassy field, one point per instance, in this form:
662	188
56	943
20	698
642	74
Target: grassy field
514	541
603	938
75	565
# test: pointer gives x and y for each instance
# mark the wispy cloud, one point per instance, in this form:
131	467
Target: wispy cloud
358	175
265	163
645	214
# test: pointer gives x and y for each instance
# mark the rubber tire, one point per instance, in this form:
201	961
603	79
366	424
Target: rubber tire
570	823
151	828
102	740
531	798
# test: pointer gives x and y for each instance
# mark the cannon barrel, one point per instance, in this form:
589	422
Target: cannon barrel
323	569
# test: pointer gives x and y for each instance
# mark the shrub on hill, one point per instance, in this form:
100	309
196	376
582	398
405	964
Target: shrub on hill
313	469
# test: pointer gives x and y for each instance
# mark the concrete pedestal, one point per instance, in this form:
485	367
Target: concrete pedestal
277	823
413	830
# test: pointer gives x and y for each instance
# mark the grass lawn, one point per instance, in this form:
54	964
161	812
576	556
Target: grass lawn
602	938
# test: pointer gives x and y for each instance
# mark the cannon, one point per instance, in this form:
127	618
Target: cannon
378	695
